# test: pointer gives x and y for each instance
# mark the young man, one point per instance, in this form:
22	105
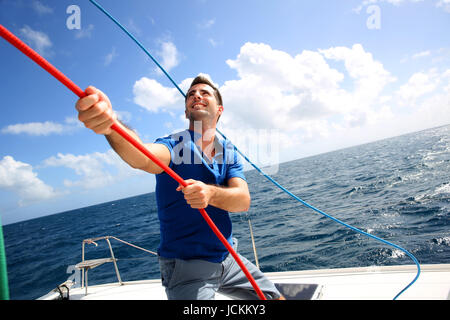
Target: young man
194	263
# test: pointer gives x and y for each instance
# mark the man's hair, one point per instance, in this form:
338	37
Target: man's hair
204	80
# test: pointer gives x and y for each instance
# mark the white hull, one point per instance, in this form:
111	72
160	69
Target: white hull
368	283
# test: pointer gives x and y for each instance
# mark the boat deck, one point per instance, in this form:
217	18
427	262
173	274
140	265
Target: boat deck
367	283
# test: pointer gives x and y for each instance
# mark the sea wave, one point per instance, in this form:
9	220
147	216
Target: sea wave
397	189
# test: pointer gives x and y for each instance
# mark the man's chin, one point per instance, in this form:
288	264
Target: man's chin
198	115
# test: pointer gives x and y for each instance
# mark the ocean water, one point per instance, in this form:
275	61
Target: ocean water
397	189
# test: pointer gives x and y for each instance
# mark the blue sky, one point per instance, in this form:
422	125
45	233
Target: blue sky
298	78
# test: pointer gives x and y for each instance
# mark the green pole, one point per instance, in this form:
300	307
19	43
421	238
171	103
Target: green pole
4	290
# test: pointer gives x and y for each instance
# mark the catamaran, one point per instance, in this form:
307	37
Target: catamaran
361	283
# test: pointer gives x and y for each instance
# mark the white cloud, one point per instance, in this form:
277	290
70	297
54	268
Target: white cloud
35	128
124	116
427	96
301	93
421	54
324	95
393	2
369	75
84	32
444	4
434	56
19	178
169	55
95	170
206	24
214	43
151	95
38	40
110	57
298	95
41	8
42	128
419	84
430	106
132	26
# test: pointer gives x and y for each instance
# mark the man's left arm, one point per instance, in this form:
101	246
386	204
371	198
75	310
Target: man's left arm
235	197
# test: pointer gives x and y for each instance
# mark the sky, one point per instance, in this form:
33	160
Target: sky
298	78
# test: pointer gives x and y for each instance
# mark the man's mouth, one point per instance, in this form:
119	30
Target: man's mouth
198	106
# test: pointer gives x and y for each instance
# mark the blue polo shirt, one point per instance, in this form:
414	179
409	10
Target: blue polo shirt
184	233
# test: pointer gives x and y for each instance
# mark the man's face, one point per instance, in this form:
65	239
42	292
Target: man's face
201	104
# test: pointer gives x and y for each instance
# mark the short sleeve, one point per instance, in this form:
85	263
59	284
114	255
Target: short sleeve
169	142
235	167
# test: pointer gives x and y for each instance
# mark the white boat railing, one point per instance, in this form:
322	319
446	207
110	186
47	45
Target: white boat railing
86	265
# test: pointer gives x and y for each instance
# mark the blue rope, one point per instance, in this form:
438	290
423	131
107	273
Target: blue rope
263	173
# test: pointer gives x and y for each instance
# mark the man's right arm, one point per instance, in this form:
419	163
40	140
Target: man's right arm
95	111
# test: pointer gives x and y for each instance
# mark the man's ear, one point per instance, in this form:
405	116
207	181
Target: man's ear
220	112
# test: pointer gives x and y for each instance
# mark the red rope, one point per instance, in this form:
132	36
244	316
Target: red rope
19	44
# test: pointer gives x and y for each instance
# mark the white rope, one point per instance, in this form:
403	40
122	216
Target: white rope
253	242
92	241
134	246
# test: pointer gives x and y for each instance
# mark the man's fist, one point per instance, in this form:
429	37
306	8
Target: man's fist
95	111
197	193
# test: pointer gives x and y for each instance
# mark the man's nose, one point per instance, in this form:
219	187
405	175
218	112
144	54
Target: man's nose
197	95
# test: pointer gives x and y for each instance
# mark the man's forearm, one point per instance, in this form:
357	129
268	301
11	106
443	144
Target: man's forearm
232	199
125	150
134	157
